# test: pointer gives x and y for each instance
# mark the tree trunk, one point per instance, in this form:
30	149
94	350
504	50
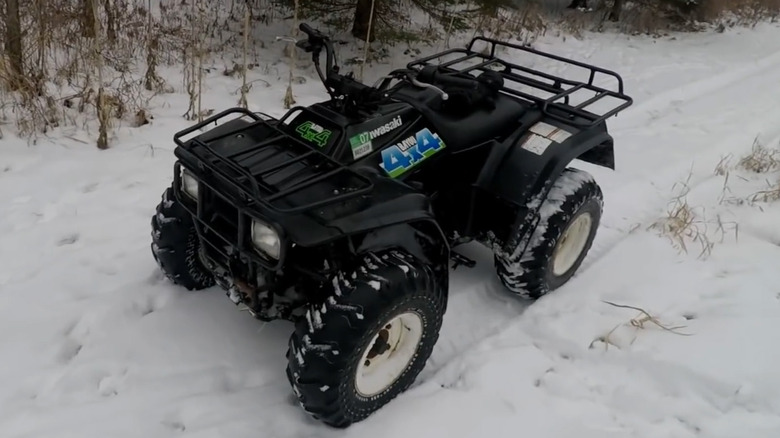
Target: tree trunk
88	18
110	21
614	13
577	4
363	21
13	37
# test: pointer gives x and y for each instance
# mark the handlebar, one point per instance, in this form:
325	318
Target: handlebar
432	75
314	44
312	32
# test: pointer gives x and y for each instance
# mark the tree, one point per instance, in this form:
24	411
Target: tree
390	18
13	40
614	13
88	18
364	15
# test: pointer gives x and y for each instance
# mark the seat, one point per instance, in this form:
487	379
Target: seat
459	127
460	131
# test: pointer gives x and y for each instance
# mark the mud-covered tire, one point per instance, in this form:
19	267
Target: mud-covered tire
329	343
573	209
175	245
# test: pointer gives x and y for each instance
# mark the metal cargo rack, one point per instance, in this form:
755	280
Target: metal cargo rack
560	88
254	182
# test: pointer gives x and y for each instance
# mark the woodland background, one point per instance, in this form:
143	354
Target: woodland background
97	63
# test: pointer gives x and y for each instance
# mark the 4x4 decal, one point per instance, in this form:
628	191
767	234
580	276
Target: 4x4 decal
314	133
399	158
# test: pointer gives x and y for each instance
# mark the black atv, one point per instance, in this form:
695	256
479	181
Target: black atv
342	216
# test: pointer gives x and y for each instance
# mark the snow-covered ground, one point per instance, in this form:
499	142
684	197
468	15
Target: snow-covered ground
94	342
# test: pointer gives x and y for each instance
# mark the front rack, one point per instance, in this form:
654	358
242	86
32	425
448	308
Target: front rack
558	87
255	182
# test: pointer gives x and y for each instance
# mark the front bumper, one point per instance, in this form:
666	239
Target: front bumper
224	223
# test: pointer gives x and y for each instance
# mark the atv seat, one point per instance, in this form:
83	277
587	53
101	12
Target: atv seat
462	128
461	131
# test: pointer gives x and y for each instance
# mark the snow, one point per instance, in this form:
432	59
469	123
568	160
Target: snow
95	342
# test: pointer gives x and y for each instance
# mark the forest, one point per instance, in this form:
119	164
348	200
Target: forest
83	62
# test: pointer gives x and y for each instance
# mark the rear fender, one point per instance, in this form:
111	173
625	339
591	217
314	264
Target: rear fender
522	171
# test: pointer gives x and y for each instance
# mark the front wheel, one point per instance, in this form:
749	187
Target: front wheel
176	247
366	344
569	219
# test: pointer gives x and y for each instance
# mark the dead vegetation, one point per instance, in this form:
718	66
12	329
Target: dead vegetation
657	17
96	64
637	323
759	161
684	224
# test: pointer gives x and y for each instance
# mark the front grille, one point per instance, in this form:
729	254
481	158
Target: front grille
220	215
221	231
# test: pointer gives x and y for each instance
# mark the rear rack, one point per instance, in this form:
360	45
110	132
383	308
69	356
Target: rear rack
559	87
262	192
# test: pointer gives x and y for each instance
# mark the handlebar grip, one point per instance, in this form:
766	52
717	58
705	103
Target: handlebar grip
432	75
456	81
308	30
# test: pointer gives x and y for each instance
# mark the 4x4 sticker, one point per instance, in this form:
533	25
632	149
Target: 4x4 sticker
399	158
314	133
362	145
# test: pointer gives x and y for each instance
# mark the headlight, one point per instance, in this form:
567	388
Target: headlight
189	184
266	239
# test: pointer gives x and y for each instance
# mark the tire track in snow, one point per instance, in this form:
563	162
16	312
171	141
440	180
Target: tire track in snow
637	187
694	90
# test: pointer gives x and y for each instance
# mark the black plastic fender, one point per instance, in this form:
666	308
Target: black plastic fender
406	221
521	170
395	215
422	238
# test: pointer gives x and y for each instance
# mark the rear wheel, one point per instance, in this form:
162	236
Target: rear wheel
366	344
176	247
569	219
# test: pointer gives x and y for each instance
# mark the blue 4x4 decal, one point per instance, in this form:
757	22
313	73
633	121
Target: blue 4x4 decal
399	158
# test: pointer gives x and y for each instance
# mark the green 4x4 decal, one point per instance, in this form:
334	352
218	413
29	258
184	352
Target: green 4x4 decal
314	133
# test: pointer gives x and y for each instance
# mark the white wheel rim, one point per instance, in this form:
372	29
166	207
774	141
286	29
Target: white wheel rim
571	244
377	372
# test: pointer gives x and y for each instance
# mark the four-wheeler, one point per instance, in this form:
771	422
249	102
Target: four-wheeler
343	216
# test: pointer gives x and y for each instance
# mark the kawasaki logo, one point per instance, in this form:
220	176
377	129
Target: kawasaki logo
361	143
387	127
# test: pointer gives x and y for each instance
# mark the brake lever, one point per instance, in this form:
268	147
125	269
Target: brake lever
416	83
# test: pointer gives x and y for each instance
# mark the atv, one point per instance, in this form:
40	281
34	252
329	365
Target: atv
343	216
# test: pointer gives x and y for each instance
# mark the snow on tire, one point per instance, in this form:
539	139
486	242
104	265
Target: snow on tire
175	245
569	219
366	344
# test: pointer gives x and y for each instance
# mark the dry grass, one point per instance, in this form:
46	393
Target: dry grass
684	224
638	323
658	17
760	159
62	84
763	160
526	23
739	12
